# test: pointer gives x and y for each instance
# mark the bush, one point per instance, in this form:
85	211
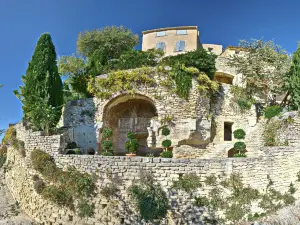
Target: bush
132	144
3	150
272	111
187	183
150	199
39	186
165	131
85	209
107	132
71	145
166	154
10	134
239	146
239	155
2	160
107	154
167	143
59	196
239	134
107	145
42	162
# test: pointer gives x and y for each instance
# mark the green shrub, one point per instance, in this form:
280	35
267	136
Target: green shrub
167	143
107	145
272	111
270	132
71	145
42	162
239	134
150	199
187	183
109	190
2	160
239	146
166	154
10	134
38	185
165	131
132	144
107	154
3	150
201	201
239	155
59	196
85	209
107	133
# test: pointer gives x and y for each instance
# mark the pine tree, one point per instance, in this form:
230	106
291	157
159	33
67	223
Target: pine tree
292	82
42	91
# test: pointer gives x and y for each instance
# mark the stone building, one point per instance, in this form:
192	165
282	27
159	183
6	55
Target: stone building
196	129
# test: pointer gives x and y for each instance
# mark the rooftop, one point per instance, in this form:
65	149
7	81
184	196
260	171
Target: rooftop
171	28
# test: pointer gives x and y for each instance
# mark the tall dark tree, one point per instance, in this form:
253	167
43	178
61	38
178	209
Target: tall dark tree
292	82
42	94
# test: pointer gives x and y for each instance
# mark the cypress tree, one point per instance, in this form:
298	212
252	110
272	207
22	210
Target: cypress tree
42	94
292	81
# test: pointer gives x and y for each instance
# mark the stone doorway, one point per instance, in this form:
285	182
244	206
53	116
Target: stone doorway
228	131
130	113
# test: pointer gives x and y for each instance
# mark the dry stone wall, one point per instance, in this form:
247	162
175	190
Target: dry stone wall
280	163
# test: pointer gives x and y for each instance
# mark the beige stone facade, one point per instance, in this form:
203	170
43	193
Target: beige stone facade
173	41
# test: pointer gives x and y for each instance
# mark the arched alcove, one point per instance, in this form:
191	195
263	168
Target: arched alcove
129	113
223	78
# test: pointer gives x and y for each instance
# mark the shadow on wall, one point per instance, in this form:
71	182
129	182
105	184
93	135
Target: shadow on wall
79	117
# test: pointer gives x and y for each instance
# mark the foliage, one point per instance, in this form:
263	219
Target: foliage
9	135
187	183
165	131
107	133
85	209
183	80
107	154
105	44
59	196
166	154
211	180
111	189
66	186
270	132
135	59
107	145
3	150
38	185
206	85
132	144
263	65
239	146
243	99
121	81
15	208
71	145
199	59
42	95
272	111
2	160
166	143
239	155
239	134
150	199
292	83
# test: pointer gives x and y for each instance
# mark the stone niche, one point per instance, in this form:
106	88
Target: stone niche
129	113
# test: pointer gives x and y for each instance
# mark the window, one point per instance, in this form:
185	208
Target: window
210	49
180	46
161	46
227	131
237	52
181	32
161	33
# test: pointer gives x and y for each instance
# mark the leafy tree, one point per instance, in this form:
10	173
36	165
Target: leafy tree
292	82
41	94
199	59
262	65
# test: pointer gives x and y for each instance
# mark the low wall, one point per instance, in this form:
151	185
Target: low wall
280	163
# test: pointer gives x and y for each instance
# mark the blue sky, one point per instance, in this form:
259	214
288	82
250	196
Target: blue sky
219	21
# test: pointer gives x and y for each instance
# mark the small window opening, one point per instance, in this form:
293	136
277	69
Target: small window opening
160	46
180	46
122	221
161	33
181	32
227	131
237	52
210	49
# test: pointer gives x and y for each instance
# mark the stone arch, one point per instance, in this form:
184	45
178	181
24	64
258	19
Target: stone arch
127	112
224	78
231	152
